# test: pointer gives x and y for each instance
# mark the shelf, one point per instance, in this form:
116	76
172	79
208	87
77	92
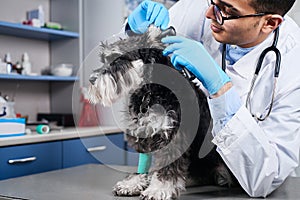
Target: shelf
25	31
37	78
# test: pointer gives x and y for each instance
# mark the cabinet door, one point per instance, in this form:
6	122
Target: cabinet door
29	159
105	149
75	153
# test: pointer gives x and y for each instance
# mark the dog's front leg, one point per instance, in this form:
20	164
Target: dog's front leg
169	181
132	185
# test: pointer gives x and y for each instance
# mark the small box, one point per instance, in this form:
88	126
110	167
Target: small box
36	15
10	127
33	14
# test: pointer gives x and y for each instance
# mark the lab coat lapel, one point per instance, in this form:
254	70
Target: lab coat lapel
243	70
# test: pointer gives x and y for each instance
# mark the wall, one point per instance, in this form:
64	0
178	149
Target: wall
101	20
68	13
295	12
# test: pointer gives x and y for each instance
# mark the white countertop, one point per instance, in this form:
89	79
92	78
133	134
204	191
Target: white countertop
67	133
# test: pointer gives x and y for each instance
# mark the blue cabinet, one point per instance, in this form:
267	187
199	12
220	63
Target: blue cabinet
105	149
75	153
29	159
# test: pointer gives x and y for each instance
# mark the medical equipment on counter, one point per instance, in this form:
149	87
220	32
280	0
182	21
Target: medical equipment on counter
42	129
10	127
274	49
9	65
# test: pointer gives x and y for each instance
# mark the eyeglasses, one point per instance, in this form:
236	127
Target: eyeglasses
221	18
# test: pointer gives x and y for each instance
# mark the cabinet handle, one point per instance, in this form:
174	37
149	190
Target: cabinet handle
99	148
22	160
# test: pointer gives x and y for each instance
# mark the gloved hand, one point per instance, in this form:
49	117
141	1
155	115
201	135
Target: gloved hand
194	57
148	12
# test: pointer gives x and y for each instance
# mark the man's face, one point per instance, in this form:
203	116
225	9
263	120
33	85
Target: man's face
244	32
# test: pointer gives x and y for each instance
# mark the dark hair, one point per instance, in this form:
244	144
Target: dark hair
280	7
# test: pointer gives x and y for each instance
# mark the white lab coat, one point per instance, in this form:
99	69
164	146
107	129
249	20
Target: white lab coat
260	154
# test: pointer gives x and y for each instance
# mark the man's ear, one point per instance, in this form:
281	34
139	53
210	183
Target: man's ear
272	21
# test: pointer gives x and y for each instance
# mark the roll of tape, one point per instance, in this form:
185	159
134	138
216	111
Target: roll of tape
42	129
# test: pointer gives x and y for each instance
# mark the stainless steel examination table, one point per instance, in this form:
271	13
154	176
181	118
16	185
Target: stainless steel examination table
95	182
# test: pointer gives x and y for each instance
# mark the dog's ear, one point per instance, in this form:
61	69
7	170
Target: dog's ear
109	52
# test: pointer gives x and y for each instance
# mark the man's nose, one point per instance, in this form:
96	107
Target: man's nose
210	13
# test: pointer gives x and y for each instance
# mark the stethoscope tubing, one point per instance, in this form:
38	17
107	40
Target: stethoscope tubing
268	50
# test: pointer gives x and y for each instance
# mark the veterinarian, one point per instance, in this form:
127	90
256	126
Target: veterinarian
254	102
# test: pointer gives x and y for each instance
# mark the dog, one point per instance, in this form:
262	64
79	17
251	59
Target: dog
166	115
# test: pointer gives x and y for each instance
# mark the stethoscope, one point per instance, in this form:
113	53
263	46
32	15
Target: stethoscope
274	49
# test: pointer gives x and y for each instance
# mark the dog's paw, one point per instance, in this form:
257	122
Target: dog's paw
132	185
163	190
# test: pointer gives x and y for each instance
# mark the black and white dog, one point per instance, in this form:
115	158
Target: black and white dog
167	115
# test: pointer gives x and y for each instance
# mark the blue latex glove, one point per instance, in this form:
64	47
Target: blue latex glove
194	57
148	12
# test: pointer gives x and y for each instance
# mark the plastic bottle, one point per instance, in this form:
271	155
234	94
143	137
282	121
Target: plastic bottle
9	65
41	15
10	109
26	65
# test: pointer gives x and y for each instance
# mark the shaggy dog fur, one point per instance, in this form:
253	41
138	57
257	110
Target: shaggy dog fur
158	117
